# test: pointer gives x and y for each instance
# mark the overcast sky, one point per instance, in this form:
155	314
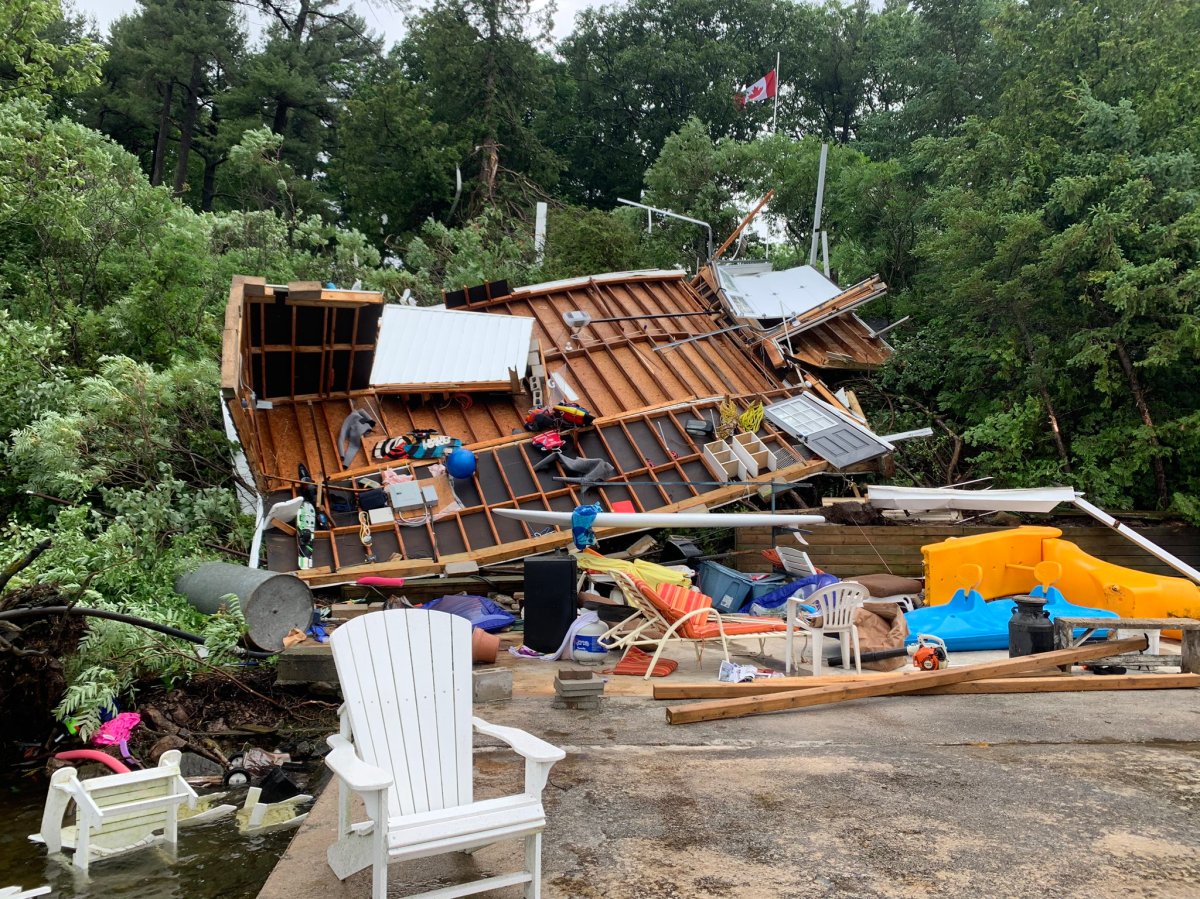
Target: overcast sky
379	16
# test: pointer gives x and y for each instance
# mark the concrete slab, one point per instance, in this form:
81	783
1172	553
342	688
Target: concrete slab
1017	795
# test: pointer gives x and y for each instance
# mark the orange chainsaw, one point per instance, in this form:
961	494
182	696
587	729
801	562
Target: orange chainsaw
930	654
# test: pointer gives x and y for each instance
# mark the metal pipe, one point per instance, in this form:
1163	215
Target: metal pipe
887	328
812	253
1134	537
675	215
671	346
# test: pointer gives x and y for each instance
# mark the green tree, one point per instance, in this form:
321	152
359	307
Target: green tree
693	176
167	75
316	53
36	62
479	64
393	166
583	241
1058	266
636	73
936	64
870	208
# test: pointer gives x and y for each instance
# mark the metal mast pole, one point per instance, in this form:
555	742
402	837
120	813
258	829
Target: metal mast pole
775	116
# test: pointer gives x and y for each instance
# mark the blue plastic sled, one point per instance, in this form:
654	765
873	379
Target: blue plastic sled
968	623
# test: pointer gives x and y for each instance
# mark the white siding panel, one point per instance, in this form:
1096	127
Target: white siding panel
422	345
755	291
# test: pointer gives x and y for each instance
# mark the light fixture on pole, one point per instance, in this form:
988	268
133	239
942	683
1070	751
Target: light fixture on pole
576	320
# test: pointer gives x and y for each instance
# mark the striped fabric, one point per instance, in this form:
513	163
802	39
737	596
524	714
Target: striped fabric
675	602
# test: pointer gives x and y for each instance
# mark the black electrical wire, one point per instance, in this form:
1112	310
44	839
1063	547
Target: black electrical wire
124	619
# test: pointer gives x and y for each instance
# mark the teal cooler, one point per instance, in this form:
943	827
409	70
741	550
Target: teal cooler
732	590
765	585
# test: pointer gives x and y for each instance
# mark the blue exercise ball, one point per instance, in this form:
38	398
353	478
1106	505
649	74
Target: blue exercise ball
461	463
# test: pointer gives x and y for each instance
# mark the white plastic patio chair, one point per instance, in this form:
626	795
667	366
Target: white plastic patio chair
795	561
405	747
835	605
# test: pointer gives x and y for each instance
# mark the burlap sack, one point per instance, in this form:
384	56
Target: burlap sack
881	625
888	584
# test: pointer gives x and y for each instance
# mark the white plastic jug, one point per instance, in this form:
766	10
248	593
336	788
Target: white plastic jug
586	648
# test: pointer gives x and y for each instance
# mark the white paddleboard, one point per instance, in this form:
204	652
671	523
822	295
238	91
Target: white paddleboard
668	519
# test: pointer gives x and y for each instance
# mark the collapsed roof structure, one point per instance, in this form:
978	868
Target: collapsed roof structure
649	356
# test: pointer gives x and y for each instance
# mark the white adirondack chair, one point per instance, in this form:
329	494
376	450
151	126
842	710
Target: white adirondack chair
405	747
18	893
114	813
265	817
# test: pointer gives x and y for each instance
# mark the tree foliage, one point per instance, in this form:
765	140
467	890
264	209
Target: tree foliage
39	58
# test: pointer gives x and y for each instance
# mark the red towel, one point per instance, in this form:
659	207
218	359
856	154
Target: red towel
636	663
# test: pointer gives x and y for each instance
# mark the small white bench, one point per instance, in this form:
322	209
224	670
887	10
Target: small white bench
1188	660
114	813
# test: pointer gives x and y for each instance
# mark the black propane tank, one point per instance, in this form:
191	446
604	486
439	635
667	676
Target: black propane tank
1030	629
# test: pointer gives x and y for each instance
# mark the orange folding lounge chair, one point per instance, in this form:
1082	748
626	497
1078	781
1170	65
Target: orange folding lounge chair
679	613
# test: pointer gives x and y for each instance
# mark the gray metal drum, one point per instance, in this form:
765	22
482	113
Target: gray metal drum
273	604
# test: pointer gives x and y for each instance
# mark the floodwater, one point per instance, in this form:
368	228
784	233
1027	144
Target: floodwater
212	860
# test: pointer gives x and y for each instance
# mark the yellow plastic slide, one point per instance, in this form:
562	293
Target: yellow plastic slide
1008	557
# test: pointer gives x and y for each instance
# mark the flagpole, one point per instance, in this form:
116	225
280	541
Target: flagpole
775	115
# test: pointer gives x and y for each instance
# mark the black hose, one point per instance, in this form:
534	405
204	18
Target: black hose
878	656
124	619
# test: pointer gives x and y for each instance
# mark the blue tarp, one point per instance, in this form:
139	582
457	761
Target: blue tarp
479	610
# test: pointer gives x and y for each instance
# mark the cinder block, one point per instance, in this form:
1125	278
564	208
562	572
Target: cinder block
348	610
492	685
591	704
305	664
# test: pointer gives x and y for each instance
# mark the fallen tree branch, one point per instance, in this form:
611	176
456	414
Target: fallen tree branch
10	571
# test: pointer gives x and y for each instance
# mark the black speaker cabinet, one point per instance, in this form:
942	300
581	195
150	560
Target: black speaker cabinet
551	601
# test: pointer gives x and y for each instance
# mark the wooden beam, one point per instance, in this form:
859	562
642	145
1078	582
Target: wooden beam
746	221
231	336
258	289
1048	683
315	293
891	685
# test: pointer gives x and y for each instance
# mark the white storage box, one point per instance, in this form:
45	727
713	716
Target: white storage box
719	459
753	455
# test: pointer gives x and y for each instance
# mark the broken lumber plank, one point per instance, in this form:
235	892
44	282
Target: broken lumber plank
718	690
892	685
712	690
1056	683
1142	659
1069	684
1154	624
1187	629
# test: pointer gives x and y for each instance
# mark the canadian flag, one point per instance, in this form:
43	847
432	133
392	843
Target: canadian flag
762	89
